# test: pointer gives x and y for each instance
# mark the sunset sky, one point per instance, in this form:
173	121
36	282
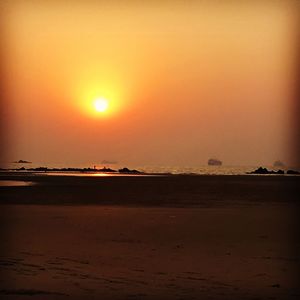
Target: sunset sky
184	81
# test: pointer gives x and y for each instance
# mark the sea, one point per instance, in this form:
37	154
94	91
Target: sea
153	169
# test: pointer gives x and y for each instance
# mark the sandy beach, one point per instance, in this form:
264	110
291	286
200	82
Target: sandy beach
170	237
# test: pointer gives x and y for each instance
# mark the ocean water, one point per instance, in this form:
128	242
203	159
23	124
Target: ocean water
201	169
206	170
15	183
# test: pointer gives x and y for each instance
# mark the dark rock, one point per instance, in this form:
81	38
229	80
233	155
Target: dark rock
108	170
262	170
44	169
126	170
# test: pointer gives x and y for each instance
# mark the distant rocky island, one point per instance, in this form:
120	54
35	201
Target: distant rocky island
22	162
214	162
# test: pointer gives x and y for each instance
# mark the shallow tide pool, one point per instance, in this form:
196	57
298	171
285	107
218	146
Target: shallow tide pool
15	183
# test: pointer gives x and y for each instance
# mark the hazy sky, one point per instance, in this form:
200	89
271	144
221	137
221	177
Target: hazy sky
185	81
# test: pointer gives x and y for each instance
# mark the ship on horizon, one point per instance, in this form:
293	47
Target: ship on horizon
214	162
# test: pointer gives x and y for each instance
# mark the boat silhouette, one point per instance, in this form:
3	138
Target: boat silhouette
214	162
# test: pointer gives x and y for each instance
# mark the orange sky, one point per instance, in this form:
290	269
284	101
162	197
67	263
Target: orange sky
186	81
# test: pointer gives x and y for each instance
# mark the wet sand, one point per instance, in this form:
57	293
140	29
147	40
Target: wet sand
173	237
170	191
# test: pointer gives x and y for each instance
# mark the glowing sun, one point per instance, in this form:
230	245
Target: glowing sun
101	105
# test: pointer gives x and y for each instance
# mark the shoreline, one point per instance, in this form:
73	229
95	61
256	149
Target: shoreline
151	171
166	190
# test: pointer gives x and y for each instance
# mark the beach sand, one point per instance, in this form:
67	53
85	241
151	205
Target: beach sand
173	237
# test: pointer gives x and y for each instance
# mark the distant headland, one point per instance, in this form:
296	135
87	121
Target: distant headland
21	161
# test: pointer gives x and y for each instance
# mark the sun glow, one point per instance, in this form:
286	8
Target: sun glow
101	105
99	101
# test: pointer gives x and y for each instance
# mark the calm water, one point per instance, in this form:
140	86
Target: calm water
15	183
203	170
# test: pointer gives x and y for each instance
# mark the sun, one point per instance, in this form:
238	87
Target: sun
101	105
